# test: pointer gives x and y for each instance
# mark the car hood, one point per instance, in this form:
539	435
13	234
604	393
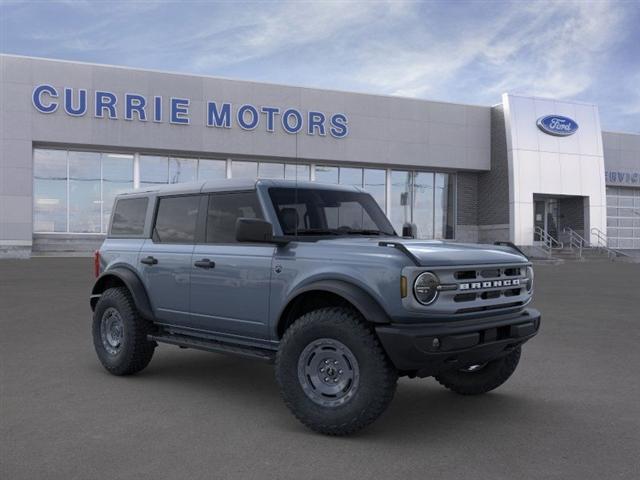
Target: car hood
435	253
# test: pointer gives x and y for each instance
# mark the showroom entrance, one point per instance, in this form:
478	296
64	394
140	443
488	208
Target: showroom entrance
554	216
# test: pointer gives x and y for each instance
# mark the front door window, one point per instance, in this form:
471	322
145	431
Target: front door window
545	217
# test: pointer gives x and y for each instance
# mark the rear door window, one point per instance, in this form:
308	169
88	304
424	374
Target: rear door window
224	209
128	216
176	219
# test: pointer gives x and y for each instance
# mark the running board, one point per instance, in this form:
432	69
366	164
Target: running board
208	345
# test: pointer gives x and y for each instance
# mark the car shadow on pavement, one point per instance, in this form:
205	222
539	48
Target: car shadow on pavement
420	408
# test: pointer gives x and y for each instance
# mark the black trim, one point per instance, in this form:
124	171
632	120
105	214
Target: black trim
427	349
210	345
400	246
511	245
133	284
361	300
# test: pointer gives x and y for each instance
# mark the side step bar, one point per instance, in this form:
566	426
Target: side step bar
214	346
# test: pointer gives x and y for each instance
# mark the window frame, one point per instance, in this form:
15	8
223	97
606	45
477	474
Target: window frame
205	221
197	234
113	211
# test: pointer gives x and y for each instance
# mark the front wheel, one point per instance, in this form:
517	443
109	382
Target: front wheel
332	372
478	379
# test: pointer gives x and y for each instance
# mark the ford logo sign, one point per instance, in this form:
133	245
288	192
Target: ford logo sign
557	125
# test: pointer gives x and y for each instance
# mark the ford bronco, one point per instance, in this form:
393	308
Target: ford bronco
312	278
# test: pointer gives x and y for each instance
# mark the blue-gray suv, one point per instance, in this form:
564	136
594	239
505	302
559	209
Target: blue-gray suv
313	278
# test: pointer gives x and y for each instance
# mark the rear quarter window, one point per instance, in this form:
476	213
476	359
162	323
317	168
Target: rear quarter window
128	216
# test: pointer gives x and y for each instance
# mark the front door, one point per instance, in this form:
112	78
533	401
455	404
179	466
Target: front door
230	281
545	218
165	259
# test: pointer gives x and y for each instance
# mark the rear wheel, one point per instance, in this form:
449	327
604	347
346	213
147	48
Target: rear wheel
332	372
120	333
482	378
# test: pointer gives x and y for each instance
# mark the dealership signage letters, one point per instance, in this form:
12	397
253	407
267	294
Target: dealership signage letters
74	102
622	178
557	125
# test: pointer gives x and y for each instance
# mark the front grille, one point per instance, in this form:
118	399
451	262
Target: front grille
468	289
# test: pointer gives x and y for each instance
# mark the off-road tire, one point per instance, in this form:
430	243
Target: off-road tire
487	378
135	351
377	376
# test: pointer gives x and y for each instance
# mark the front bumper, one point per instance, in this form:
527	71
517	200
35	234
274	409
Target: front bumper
427	349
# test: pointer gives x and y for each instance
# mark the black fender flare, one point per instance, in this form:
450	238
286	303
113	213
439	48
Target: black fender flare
133	283
355	295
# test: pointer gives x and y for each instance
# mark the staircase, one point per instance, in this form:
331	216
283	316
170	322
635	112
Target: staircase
574	247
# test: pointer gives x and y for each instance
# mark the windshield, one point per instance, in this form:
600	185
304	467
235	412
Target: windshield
308	211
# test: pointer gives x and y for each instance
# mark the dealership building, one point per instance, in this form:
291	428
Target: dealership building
73	135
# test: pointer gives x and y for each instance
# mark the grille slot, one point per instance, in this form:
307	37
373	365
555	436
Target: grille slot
465	275
512	272
490	273
514	292
465	297
491	294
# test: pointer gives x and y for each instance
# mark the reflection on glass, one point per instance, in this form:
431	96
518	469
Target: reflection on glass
244	169
85	202
374	183
212	169
351	176
326	174
400	199
423	207
444	204
49	190
117	177
271	170
182	170
296	172
153	171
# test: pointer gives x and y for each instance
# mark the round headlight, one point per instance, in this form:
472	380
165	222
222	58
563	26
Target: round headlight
529	279
425	288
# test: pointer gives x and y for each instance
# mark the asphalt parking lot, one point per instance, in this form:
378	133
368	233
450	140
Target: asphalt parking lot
572	409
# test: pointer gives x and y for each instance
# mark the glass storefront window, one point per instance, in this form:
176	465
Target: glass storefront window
244	169
423	204
296	172
212	169
182	170
117	177
85	195
326	174
351	176
375	184
271	170
400	199
153	170
74	191
50	190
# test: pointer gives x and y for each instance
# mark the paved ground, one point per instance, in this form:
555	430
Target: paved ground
572	410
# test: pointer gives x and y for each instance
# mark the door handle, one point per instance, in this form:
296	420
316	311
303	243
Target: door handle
149	260
205	263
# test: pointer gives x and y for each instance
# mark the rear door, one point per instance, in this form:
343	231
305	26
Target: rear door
165	258
230	281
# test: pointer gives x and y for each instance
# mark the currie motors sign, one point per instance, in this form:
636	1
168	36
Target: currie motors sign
557	125
132	106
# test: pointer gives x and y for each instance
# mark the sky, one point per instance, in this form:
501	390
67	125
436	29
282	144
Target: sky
456	51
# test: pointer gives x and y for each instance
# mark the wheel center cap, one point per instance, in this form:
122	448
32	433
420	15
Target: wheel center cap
331	371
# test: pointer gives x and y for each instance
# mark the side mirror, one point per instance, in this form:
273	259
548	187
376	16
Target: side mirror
253	230
408	230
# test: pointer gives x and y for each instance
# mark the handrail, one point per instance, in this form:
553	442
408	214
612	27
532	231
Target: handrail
603	244
576	241
548	241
